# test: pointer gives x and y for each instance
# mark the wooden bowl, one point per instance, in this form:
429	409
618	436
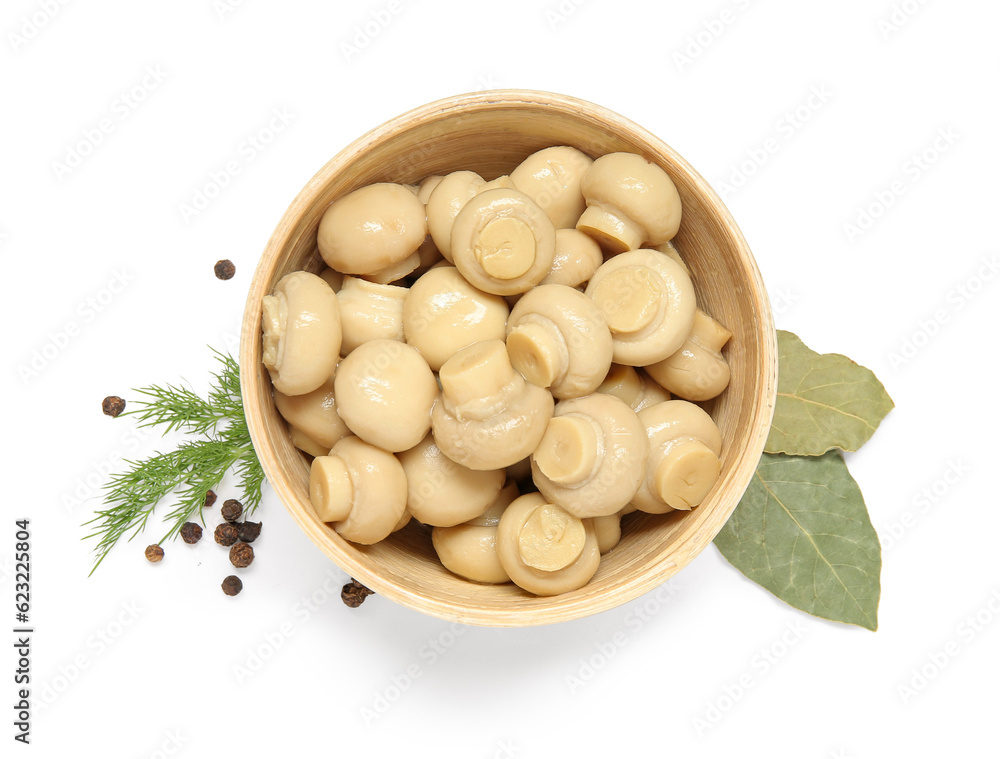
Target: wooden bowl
491	133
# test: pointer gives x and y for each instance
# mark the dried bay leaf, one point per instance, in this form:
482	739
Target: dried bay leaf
825	401
802	531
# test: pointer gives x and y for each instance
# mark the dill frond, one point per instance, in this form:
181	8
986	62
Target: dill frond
221	443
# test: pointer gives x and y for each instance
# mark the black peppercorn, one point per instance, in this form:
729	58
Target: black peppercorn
241	555
232	510
113	405
190	532
232	585
354	593
226	534
249	531
210	497
154	553
225	269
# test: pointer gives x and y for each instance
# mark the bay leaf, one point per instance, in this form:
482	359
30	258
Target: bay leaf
802	531
825	401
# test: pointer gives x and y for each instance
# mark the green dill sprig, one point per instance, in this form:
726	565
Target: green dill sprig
222	442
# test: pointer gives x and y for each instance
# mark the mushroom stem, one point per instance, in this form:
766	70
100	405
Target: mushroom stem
330	489
686	474
570	450
538	351
482	372
551	539
615	233
629	299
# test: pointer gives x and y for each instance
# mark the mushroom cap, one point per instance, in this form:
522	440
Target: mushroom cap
552	177
593	456
314	415
502	242
427	186
525	525
385	391
378	487
567	346
470	551
634	187
443	313
670	425
443	493
697	371
649	303
445	201
371	229
576	259
370	311
487	416
301	324
609	531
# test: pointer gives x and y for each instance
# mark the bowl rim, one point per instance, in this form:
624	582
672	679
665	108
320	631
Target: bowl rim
655	575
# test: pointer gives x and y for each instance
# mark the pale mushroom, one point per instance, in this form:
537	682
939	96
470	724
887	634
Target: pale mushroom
698	370
577	258
629	201
683	466
592	457
552	178
469	549
445	201
369	311
333	278
443	313
609	531
633	387
426	187
502	242
384	392
544	549
313	421
443	493
301	325
361	489
558	338
649	303
487	416
372	229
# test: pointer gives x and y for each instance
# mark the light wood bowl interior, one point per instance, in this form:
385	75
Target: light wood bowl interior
490	133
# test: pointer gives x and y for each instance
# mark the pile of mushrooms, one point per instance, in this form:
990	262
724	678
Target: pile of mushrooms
495	361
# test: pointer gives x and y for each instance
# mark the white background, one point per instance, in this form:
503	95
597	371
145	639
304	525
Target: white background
141	660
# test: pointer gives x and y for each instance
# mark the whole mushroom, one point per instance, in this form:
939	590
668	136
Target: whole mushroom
373	229
302	336
469	549
443	313
487	416
697	371
545	549
313	421
552	177
558	338
629	201
370	311
361	489
592	457
649	303
443	493
683	466
385	392
502	242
